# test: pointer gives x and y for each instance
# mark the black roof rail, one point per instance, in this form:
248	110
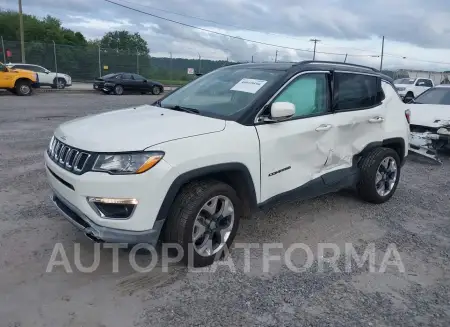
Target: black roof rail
335	63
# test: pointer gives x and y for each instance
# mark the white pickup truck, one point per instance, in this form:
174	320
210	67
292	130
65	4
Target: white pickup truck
409	88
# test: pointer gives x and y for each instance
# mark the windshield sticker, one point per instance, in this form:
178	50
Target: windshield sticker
248	85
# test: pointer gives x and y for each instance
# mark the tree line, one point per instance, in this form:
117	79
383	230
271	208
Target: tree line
117	51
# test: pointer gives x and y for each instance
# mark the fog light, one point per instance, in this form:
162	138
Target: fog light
113	208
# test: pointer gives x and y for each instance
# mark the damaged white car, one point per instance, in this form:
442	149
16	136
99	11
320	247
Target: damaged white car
185	169
430	122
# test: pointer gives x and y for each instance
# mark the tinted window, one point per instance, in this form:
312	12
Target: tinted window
354	91
439	95
404	81
309	94
224	91
126	76
138	77
424	82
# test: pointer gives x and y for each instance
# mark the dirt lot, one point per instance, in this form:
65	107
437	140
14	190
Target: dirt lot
416	221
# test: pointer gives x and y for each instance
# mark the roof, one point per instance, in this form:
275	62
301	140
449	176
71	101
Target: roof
310	65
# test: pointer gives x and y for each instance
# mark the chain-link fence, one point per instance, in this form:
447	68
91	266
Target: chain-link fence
85	63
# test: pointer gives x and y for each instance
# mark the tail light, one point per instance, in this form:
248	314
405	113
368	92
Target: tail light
408	115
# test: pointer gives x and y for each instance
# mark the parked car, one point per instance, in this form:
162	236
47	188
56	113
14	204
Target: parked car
186	168
430	121
17	81
119	83
46	77
408	88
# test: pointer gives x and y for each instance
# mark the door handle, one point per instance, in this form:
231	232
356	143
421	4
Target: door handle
323	127
376	120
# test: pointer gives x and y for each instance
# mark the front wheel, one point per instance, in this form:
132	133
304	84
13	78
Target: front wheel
156	90
380	174
203	220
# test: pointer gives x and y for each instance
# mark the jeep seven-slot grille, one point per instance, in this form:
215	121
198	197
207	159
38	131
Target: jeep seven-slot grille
67	157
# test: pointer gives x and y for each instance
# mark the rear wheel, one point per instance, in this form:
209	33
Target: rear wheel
118	90
203	220
380	174
23	88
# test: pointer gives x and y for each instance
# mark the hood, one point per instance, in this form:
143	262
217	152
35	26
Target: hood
430	115
403	85
134	129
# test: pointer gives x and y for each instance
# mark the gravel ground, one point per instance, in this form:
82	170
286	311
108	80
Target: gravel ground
416	221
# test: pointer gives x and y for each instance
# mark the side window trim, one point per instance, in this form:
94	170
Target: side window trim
259	121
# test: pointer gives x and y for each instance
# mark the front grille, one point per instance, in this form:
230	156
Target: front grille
67	157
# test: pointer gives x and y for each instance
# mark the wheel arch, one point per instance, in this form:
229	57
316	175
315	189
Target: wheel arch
22	79
396	143
237	175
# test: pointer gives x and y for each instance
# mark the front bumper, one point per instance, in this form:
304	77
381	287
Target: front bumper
148	189
99	233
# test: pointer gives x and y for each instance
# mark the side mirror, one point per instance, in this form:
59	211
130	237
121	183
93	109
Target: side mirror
280	111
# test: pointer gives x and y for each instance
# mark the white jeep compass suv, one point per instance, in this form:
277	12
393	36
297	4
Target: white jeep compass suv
185	169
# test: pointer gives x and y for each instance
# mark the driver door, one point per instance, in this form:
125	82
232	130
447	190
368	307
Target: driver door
295	151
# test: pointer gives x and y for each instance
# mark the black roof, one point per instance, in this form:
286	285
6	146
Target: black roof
310	65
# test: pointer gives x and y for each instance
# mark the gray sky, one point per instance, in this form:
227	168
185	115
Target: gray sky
415	29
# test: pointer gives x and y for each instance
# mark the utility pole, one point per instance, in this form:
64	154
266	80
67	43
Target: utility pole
345	59
22	37
252	58
276	55
315	44
170	65
199	63
382	54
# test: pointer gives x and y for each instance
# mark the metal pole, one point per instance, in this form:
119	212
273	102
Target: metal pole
170	65
56	63
276	55
199	63
137	61
252	58
99	62
4	51
315	44
345	60
22	37
382	54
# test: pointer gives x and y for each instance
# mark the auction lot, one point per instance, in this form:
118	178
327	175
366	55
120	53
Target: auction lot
416	220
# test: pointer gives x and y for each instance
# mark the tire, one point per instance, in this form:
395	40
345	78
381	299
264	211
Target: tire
370	166
408	97
156	90
184	211
61	83
23	88
118	90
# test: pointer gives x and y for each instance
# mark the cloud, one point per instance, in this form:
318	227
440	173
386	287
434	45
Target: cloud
414	29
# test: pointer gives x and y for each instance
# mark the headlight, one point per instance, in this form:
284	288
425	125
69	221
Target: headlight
401	88
127	163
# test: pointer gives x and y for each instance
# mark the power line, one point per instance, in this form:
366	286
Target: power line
224	34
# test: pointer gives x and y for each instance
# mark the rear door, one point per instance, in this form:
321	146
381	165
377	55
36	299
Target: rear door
359	116
294	152
127	82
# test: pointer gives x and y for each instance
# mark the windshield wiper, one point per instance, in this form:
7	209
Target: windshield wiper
184	109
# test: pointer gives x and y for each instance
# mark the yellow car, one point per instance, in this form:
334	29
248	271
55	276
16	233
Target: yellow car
18	81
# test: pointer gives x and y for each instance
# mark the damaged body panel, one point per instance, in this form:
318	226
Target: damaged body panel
430	122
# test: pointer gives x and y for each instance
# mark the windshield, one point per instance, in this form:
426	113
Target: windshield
438	95
223	92
404	81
